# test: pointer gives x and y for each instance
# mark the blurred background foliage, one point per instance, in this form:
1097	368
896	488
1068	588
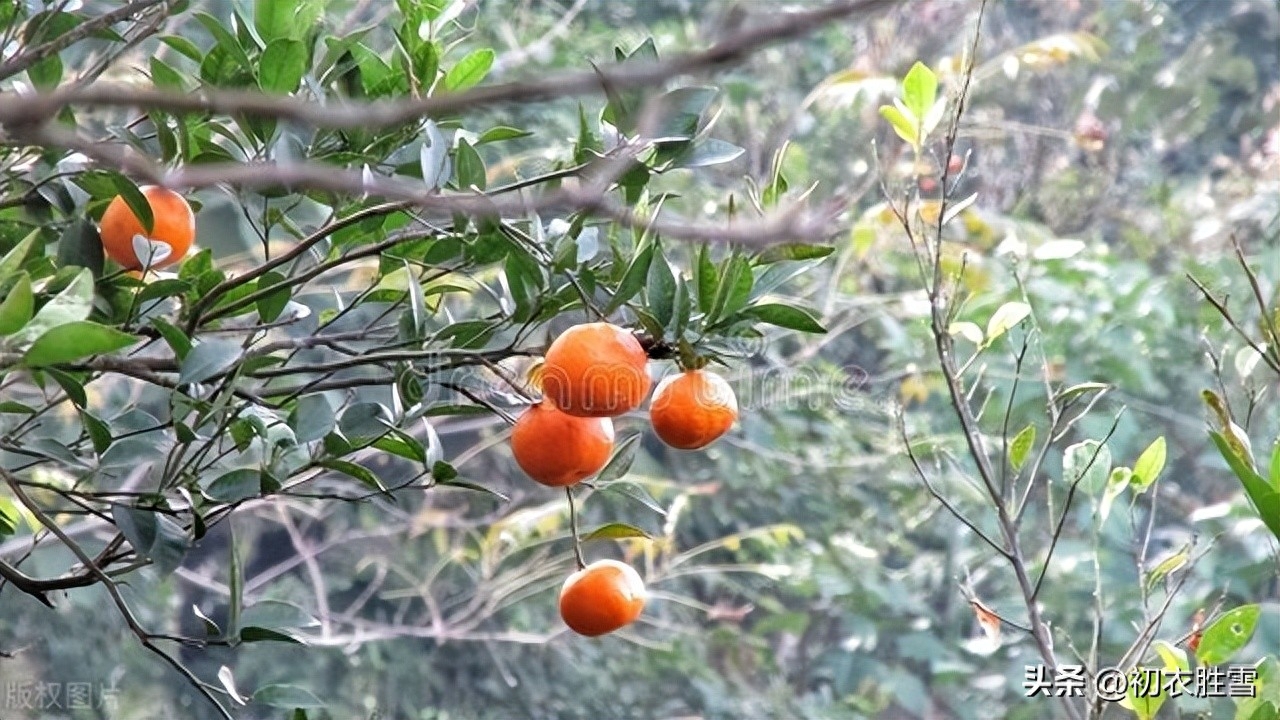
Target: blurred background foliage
800	569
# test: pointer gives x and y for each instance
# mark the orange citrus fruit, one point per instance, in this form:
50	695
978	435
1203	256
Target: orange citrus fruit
173	224
693	408
602	597
596	370
558	449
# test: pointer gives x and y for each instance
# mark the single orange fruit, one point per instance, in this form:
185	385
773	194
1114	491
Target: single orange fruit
692	409
596	370
173	224
602	597
558	449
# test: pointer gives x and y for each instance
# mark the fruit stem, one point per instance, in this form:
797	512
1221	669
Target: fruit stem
573	528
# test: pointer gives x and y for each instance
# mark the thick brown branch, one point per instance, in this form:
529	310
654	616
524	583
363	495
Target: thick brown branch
376	115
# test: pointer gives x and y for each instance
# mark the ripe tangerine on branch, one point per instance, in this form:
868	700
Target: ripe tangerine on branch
558	449
693	408
173	224
602	597
596	370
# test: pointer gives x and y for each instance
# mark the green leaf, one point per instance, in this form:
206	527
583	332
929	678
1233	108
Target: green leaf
500	133
1005	317
80	246
164	76
283	64
470	167
1117	481
167	287
312	418
152	535
633	279
18	306
636	492
401	444
786	316
1021	446
46	74
254	633
1145	696
208	358
734	289
98	431
70	384
235	584
706	279
136	201
365	421
286	696
1227	635
1087	463
661	287
271	305
74	303
470	70
183	46
904	126
793	251
623	456
359	472
75	340
9	517
919	89
615	531
292	19
13	260
175	338
1265	497
235	486
1149	465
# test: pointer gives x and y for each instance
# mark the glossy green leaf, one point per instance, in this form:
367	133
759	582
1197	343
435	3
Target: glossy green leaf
18	306
81	246
1228	635
359	472
470	70
253	633
786	316
74	341
470	170
661	288
1264	496
283	64
1087	463
208	358
615	531
793	251
152	535
919	89
291	19
1149	465
1021	446
312	418
235	486
72	304
624	454
271	305
633	279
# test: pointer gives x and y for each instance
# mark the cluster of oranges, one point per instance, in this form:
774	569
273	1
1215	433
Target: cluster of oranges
592	373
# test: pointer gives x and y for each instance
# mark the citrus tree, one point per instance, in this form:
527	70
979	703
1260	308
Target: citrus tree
265	269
